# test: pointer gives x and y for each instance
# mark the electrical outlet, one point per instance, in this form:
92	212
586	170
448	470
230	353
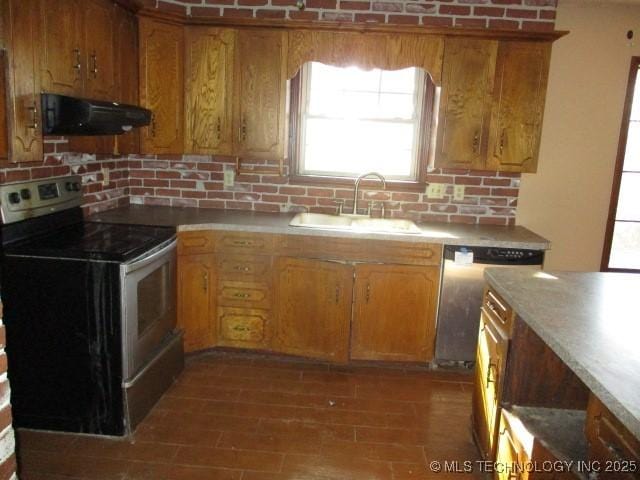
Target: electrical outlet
458	192
229	178
436	190
105	176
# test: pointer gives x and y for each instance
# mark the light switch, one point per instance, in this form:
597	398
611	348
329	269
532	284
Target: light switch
458	192
436	190
229	178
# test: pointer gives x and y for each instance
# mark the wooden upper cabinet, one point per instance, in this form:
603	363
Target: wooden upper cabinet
4	146
62	47
313	308
394	312
162	85
126	73
209	63
98	30
23	115
260	82
522	69
465	104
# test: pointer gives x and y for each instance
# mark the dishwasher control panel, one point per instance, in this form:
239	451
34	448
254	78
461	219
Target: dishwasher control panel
497	255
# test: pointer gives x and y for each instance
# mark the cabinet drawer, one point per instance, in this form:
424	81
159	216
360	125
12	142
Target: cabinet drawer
609	440
243	294
498	310
242	327
359	250
249	243
195	242
244	266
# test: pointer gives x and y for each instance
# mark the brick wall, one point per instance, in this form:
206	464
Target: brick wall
530	15
58	161
7	438
197	181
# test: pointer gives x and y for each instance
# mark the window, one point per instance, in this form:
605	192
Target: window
622	241
351	121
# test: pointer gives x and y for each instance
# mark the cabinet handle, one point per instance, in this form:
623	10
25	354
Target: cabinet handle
242	295
78	65
240	328
489	367
368	295
476	141
243	129
34	116
94	70
219	128
337	294
240	268
502	140
205	281
242	243
153	125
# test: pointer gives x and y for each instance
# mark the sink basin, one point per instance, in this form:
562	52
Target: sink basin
320	220
349	222
385	225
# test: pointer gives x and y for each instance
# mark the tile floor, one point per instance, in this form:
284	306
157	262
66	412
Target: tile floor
263	418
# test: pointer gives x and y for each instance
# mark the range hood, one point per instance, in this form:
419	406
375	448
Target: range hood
62	115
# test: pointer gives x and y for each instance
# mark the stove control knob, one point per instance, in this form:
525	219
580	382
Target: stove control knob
72	186
25	193
76	186
14	198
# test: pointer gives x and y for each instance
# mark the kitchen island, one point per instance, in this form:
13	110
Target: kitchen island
566	345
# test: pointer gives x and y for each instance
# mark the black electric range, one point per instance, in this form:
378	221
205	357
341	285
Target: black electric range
89	309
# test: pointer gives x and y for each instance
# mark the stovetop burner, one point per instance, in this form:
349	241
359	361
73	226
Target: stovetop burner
94	241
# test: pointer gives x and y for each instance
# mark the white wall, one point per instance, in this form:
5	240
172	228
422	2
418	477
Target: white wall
567	200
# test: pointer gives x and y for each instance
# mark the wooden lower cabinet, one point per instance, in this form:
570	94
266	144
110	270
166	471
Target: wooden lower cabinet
313	308
491	358
394	312
197	300
611	443
243	327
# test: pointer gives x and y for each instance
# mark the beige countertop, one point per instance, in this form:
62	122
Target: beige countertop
250	221
591	321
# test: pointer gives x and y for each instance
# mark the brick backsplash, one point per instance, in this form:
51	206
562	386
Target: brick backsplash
7	437
58	161
530	15
197	181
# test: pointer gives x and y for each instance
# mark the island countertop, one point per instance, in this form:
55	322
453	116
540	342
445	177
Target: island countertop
591	321
249	221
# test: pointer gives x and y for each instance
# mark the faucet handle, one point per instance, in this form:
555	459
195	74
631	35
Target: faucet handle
339	204
382	209
369	203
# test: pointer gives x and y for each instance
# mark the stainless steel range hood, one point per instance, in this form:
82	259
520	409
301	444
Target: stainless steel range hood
62	115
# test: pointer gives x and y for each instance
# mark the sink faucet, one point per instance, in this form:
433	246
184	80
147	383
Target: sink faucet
357	186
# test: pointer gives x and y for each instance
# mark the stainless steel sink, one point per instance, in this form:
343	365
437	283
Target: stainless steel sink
354	223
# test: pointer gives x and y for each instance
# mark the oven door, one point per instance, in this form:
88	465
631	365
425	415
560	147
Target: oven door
148	306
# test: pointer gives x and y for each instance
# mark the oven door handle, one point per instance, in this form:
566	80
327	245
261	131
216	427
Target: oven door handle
143	262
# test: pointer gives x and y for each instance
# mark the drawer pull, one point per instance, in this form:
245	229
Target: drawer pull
489	367
240	328
240	268
242	243
368	295
242	295
205	281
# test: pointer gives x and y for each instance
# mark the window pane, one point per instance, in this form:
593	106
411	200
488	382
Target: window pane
625	246
629	197
632	154
355	121
635	106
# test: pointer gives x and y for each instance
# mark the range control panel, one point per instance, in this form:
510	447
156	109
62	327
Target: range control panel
19	201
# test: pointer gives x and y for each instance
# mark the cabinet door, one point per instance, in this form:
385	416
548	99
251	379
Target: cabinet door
126	69
208	83
161	85
197	301
394	312
260	94
22	38
4	146
522	69
61	53
98	28
465	104
490	364
313	308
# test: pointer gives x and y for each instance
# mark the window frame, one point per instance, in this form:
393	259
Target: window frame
634	76
424	149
